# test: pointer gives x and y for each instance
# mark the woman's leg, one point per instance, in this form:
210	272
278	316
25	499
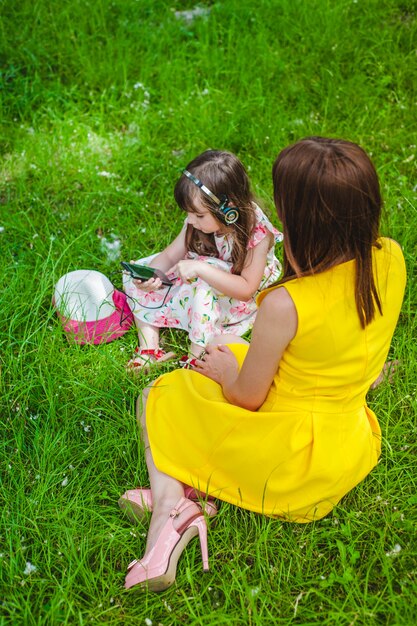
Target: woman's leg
166	491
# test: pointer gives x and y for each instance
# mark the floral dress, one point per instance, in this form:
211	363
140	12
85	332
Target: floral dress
197	307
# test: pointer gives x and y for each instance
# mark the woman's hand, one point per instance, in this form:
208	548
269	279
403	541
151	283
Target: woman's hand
187	269
218	363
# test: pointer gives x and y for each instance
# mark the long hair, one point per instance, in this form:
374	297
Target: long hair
223	174
327	196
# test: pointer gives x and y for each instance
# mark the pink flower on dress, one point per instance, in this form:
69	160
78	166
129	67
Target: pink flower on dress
149	296
166	319
210	328
259	233
241	309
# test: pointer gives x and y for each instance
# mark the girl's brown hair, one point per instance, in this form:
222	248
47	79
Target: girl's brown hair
327	196
224	175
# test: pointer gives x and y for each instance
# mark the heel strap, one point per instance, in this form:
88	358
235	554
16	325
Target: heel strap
155	352
187	362
181	508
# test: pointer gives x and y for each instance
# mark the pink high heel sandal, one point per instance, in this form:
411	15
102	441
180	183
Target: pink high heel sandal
136	503
158	568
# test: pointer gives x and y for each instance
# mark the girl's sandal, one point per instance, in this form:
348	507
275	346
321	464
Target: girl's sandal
187	362
147	357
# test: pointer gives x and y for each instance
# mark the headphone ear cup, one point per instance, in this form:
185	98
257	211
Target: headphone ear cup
231	215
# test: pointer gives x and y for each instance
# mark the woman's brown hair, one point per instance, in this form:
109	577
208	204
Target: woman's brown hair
327	196
224	175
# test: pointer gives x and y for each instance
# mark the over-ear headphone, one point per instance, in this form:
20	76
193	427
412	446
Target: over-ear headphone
229	214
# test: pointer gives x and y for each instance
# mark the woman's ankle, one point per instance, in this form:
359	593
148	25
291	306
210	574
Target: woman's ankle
160	515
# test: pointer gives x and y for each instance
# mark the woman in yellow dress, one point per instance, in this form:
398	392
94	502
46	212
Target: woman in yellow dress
281	426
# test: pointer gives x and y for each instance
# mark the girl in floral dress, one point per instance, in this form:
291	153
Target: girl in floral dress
222	257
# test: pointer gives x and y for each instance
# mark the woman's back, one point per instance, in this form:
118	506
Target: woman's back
332	361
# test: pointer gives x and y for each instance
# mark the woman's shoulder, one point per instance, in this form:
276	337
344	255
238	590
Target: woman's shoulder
277	297
387	254
277	306
390	246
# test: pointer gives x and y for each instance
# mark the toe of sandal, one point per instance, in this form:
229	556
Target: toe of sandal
144	358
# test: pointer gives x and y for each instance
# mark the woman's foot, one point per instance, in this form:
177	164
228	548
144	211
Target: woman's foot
157	569
146	357
137	503
387	374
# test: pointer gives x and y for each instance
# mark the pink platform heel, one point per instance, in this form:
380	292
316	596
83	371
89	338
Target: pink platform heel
158	568
136	503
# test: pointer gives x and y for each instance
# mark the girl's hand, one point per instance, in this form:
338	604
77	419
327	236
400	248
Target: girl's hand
148	285
218	363
186	269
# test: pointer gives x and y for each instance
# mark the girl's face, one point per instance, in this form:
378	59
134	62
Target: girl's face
204	220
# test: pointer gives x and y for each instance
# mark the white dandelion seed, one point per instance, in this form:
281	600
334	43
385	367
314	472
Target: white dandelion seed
396	550
189	16
29	569
111	246
105	174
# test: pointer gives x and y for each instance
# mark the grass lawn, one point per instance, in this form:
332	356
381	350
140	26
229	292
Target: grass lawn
103	102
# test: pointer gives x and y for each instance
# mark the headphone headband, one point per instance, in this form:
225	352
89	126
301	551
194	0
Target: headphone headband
229	214
203	188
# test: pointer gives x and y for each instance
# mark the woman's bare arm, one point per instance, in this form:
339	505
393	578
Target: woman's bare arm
275	326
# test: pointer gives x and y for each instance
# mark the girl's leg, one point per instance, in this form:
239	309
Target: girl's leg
166	491
148	335
196	350
222	339
148	340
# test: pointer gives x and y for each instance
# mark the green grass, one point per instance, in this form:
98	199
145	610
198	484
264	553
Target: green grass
102	103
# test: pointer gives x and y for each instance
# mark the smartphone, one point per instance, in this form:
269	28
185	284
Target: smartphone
143	272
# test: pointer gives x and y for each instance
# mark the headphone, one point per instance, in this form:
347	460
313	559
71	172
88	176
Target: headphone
229	214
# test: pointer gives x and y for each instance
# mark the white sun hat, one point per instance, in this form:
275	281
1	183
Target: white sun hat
90	308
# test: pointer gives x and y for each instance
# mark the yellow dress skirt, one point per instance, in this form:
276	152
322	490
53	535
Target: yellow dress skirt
291	464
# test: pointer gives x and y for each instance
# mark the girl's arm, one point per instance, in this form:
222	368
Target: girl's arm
163	261
175	251
275	326
241	287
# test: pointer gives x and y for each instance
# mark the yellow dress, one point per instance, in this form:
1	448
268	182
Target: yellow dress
314	438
